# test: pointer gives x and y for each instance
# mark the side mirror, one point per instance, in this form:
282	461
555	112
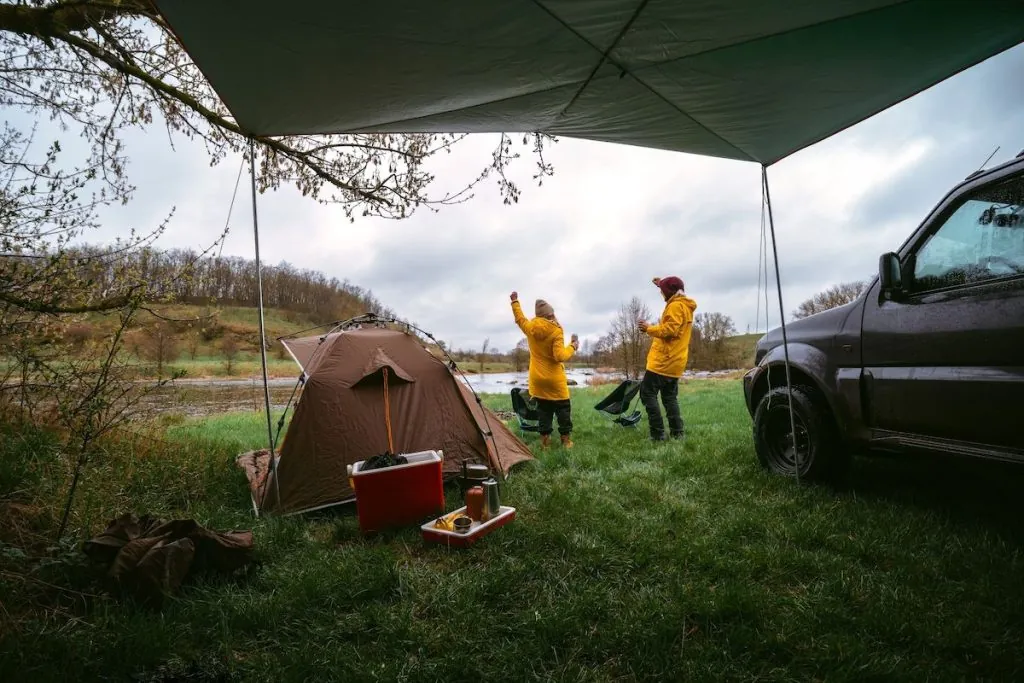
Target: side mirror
890	274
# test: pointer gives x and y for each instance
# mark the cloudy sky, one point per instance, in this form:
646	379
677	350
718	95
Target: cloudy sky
611	218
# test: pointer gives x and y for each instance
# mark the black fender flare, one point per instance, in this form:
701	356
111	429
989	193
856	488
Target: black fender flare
810	362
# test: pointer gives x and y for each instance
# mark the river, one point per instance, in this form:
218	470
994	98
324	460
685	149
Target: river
197	397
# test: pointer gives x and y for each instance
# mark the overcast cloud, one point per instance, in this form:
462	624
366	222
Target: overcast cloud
611	218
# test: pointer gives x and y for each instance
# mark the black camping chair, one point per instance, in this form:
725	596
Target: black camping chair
525	408
616	404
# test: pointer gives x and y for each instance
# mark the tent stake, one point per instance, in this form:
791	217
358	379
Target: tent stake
782	320
263	338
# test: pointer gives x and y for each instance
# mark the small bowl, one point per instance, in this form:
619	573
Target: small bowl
462	524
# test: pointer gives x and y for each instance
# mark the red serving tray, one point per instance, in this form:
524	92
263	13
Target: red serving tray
477	530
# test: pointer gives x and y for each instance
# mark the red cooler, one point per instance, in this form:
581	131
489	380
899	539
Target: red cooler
398	496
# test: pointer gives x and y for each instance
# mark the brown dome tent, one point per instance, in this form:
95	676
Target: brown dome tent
342	417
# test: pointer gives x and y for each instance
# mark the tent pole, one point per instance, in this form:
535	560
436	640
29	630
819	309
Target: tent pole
263	338
782	320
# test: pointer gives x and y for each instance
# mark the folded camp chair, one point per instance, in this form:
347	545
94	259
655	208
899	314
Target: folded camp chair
525	409
617	403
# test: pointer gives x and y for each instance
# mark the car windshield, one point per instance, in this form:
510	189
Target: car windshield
982	240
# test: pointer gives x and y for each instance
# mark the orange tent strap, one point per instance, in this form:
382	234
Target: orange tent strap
387	413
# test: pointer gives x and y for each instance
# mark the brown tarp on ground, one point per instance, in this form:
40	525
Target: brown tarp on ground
340	418
151	558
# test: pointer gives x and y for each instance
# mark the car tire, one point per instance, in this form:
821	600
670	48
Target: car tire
822	456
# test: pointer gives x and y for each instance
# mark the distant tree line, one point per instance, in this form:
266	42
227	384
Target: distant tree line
231	281
834	296
624	347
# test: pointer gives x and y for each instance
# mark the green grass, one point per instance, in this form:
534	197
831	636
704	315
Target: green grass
627	561
246	365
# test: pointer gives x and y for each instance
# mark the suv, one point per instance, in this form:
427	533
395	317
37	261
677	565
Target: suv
930	356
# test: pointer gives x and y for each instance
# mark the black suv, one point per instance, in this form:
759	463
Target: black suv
930	357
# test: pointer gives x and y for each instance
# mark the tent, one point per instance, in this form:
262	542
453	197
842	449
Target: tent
754	80
366	391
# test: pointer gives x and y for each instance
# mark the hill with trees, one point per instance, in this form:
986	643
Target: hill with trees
205	324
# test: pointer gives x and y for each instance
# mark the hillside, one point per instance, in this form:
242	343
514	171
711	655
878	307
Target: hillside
221	342
212	329
742	346
205	341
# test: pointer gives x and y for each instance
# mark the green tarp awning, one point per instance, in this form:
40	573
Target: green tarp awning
742	79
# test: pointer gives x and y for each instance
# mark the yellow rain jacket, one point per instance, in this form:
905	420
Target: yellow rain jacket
547	353
670	345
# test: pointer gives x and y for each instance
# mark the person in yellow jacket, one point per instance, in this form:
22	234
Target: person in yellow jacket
666	361
547	381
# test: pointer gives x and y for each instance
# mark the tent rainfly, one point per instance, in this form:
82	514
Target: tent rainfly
753	80
366	391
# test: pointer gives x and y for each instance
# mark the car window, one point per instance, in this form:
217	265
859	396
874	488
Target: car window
983	239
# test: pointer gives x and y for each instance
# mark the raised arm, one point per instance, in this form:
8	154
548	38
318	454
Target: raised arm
560	350
517	310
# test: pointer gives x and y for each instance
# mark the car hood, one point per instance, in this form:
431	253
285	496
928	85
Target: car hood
816	330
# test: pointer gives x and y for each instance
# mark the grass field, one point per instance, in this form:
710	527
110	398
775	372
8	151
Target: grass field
628	561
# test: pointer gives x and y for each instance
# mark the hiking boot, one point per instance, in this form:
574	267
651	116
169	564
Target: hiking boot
566	441
658	437
545	440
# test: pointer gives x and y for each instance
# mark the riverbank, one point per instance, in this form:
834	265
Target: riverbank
193	397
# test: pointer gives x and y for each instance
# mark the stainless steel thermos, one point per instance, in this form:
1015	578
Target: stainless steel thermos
492	503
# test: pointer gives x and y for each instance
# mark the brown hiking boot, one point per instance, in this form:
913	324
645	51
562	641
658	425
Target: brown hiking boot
566	441
545	440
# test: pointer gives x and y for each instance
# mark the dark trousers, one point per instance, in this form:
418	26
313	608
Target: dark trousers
547	410
652	385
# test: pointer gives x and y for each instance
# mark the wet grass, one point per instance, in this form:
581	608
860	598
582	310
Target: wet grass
627	561
246	365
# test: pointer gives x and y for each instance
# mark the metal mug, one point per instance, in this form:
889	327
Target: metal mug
462	524
492	502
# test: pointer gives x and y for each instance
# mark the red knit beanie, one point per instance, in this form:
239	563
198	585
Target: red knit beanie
670	285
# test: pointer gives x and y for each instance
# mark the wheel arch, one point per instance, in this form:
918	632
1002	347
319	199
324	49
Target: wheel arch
808	367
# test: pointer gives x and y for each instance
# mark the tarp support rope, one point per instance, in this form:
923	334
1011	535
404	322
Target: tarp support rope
782	321
259	303
762	271
387	413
